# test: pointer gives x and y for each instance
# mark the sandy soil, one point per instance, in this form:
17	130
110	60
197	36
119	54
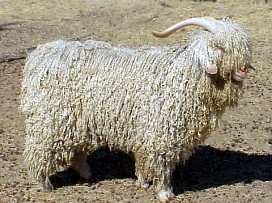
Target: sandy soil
233	165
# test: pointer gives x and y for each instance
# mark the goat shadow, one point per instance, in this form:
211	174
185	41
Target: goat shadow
208	167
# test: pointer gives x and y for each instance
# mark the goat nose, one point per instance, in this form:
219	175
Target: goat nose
243	69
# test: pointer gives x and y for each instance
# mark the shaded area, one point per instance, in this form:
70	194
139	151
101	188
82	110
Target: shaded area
5	26
104	164
12	56
107	165
208	167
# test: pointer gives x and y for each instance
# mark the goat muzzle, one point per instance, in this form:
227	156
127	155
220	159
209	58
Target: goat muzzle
241	74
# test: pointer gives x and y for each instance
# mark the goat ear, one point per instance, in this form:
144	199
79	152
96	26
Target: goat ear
213	56
209	57
210	68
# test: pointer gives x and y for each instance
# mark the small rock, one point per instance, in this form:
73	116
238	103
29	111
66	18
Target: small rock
1	131
270	141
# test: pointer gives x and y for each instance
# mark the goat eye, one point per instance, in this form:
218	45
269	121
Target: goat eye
221	49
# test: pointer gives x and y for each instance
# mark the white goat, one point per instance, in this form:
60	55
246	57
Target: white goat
156	103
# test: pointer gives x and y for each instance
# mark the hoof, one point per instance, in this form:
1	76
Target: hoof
86	174
164	196
46	187
141	184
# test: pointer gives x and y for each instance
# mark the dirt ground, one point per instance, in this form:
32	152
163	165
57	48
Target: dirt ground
233	165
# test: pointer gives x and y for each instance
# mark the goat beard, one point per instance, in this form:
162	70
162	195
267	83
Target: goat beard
222	92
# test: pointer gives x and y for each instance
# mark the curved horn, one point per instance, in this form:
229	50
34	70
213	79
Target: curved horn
208	23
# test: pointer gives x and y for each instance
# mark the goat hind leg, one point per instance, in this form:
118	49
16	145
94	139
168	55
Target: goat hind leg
80	164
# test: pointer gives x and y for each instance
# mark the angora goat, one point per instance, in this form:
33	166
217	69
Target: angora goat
156	103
